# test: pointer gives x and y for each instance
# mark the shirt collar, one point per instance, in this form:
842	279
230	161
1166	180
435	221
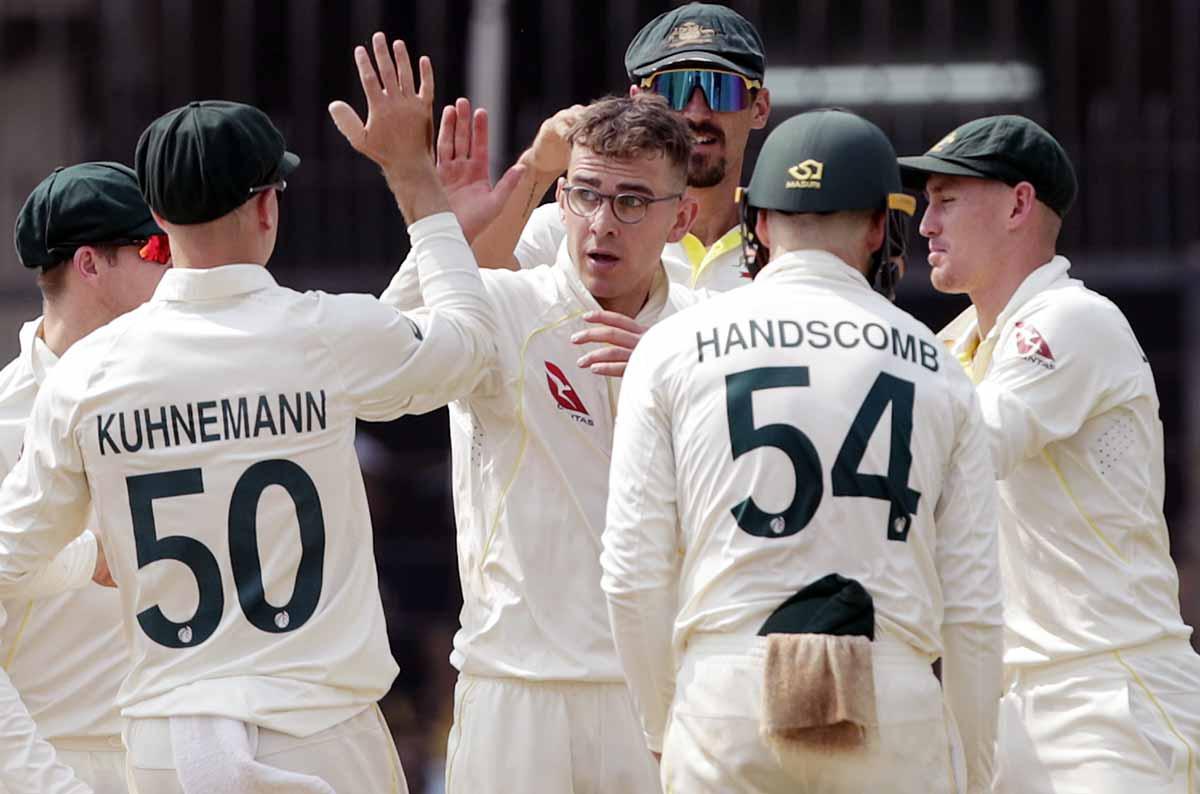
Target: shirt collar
569	273
963	331
197	284
37	355
812	264
700	257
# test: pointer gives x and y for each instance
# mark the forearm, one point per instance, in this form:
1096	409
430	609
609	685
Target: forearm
494	246
972	681
417	190
70	569
642	623
28	764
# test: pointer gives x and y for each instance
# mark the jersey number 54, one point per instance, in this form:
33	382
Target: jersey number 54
846	478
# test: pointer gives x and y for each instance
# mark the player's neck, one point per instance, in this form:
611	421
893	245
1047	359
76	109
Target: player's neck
990	300
718	212
66	320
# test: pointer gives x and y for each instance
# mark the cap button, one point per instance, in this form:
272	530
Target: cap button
61	167
194	104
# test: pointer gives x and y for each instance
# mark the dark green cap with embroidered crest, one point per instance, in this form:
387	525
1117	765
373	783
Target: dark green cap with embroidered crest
1011	149
87	204
703	35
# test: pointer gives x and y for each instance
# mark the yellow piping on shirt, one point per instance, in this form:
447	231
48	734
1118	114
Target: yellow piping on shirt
701	257
12	652
1191	756
1062	481
495	522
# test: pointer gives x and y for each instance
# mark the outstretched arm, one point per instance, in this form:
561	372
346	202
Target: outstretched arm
543	163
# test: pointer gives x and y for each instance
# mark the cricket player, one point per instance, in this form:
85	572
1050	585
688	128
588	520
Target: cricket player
800	519
84	230
541	704
1102	686
707	61
212	431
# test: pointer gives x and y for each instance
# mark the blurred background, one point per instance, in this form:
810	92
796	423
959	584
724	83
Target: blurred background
1117	81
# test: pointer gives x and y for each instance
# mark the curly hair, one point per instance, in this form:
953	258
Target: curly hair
634	126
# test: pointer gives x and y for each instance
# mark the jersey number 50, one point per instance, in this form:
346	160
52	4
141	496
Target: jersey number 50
243	551
847	479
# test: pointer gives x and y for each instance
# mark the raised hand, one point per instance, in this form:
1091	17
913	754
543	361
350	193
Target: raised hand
550	151
620	333
462	167
398	132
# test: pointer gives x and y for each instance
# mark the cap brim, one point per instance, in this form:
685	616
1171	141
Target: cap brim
915	170
147	229
698	58
287	164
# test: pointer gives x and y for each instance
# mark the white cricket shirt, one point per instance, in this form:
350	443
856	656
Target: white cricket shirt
66	654
775	434
212	429
1072	413
718	268
531	449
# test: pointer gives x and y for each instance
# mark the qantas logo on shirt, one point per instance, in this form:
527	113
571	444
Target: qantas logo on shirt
565	395
1032	346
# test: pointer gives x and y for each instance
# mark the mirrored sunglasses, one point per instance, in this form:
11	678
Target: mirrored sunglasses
725	92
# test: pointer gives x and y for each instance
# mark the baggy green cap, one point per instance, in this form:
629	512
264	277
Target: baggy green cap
200	161
704	35
827	161
87	204
1011	149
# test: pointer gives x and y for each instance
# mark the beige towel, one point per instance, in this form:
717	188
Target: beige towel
818	692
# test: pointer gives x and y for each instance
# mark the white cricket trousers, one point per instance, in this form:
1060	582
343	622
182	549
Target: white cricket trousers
512	736
98	762
1118	722
713	745
356	756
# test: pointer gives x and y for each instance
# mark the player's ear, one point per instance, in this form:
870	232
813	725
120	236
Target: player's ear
760	109
634	90
762	229
86	262
266	207
685	216
1023	204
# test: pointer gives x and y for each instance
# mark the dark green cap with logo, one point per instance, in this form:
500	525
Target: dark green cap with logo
703	35
201	161
827	161
1011	149
85	204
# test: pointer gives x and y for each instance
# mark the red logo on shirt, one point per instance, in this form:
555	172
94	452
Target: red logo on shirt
1032	345
562	390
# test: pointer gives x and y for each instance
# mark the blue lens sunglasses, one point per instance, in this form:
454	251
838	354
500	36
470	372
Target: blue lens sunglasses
725	92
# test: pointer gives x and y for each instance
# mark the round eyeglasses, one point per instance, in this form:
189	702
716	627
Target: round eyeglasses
627	207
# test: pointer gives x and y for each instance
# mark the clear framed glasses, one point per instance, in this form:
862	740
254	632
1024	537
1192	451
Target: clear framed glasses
627	207
278	186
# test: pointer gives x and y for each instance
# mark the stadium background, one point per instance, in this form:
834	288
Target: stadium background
1117	81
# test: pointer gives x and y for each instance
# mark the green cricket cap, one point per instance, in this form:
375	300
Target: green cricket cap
1011	149
704	35
199	162
827	161
86	204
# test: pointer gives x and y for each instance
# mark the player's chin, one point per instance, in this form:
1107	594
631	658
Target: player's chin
942	279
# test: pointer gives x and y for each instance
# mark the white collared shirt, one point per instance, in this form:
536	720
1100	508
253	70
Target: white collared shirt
718	268
212	430
803	392
531	448
66	654
1072	412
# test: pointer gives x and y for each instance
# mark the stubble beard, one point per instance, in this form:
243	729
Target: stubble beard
704	173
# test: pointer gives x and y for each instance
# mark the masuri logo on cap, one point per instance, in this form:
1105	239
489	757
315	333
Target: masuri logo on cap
806	174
